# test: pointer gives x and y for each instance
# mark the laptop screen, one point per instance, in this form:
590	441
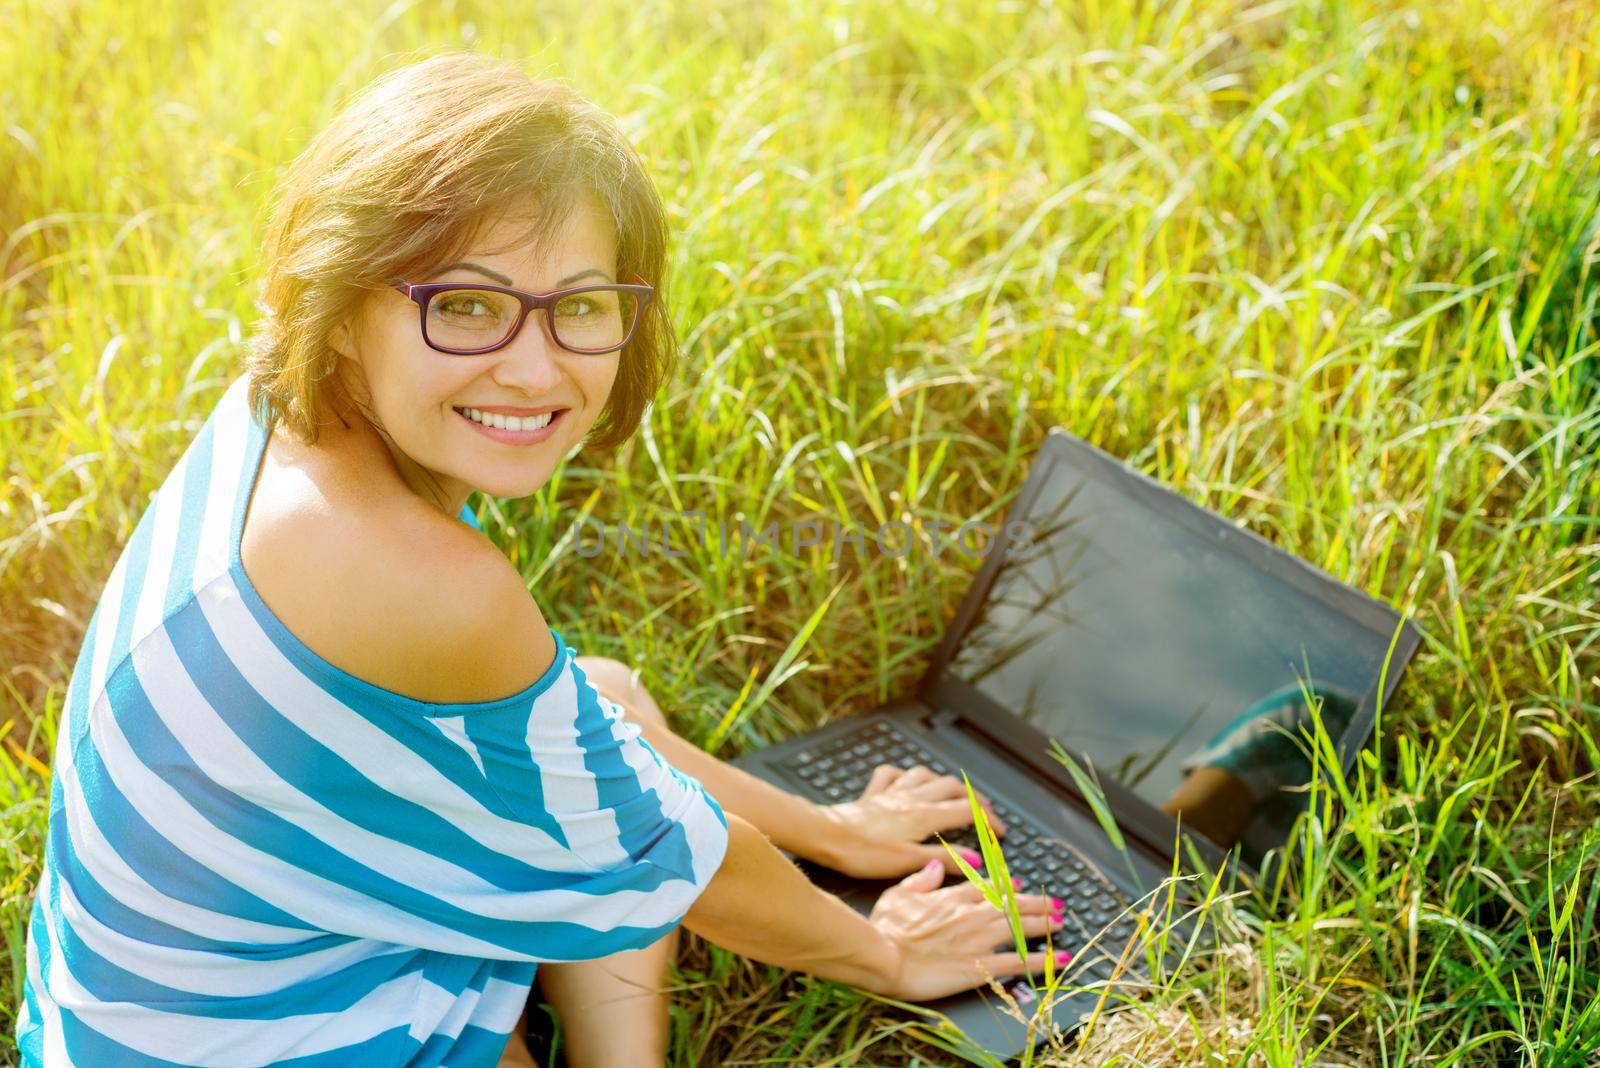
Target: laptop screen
1146	635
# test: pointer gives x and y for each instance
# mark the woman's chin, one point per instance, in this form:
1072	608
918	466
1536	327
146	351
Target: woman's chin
510	486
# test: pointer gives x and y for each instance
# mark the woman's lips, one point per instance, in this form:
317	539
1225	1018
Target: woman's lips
515	437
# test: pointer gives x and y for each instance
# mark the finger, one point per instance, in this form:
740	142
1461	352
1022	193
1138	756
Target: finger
995	821
1039	889
950	788
995	921
938	852
944	788
1002	964
917	773
928	877
964	891
1038	904
1033	926
948	815
1033	905
882	776
1027	904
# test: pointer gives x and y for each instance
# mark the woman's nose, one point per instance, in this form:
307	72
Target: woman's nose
532	361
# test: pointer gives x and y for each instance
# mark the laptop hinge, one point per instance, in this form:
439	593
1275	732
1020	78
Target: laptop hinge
942	718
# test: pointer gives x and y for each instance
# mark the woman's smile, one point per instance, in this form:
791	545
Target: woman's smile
513	429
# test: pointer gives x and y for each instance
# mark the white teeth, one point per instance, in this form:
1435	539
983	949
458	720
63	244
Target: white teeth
508	422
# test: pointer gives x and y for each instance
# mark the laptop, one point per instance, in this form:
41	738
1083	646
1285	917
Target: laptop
1146	636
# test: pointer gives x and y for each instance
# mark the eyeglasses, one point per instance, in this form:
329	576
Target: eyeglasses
470	318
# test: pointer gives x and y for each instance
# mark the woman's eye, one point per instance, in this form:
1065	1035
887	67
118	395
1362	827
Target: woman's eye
470	307
575	307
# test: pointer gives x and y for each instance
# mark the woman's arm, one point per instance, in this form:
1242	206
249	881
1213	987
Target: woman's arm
761	906
923	940
885	833
874	837
793	823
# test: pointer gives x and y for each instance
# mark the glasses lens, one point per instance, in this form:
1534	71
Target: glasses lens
471	318
595	318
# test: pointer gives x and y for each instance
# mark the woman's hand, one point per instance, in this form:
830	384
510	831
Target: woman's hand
946	935
880	834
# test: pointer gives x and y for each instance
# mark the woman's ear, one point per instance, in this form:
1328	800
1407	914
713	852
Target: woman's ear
342	340
349	372
343	337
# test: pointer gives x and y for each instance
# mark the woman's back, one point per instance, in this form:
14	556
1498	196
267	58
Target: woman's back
257	856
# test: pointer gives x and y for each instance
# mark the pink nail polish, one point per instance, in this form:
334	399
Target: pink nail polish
971	857
1063	957
1016	883
1056	917
1056	904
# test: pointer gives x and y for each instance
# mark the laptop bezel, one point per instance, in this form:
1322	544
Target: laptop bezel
941	689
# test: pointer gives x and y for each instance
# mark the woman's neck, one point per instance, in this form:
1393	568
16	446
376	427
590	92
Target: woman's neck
360	447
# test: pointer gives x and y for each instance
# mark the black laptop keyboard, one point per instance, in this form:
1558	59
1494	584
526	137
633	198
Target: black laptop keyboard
839	768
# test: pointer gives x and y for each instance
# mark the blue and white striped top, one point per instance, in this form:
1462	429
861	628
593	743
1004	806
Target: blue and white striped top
255	857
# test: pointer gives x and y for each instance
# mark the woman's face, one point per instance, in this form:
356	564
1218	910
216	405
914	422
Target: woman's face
418	395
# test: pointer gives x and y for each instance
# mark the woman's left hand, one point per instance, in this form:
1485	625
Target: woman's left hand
880	834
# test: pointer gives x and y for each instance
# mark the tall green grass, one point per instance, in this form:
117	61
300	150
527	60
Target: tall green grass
1326	268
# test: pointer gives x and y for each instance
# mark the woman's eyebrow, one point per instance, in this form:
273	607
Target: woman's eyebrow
571	278
486	272
503	280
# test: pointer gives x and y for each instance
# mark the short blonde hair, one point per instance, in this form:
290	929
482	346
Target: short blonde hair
401	182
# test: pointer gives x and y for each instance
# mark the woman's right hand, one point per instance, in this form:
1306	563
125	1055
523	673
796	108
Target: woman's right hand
946	935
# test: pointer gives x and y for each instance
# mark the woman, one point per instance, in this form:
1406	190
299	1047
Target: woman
328	789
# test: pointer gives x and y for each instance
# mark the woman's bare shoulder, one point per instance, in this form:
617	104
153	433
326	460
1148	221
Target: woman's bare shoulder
402	596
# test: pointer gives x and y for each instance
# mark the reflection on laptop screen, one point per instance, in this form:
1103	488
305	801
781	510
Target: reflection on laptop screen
1138	639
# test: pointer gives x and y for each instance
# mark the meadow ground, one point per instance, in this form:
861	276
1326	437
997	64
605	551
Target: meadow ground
1326	268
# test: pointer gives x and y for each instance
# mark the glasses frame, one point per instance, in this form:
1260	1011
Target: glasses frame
422	294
